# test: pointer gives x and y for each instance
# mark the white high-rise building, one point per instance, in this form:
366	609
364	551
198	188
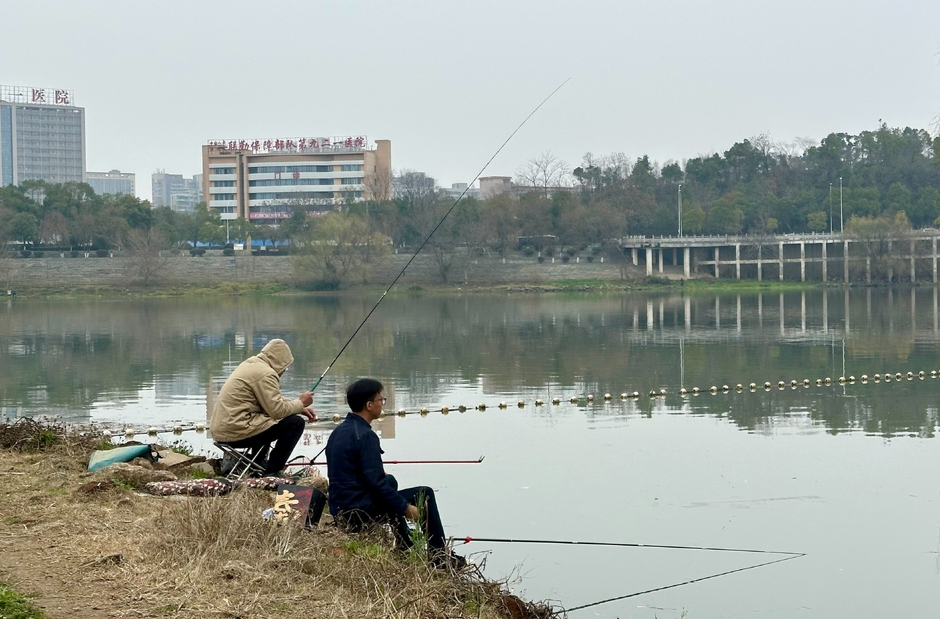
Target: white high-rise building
42	135
180	194
114	182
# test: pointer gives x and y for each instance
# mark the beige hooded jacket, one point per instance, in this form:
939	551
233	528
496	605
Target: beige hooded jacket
250	401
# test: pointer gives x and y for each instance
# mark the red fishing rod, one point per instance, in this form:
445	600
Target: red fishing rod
415	255
477	461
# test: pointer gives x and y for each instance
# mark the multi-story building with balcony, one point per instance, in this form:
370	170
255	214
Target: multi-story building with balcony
263	181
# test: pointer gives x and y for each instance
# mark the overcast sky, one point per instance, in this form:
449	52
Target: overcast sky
447	82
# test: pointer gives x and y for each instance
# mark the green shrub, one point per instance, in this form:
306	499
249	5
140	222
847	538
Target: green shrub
528	251
228	251
102	253
25	253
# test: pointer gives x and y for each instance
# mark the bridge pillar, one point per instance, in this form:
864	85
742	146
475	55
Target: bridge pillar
633	255
662	253
717	251
868	269
802	261
824	260
737	261
687	262
760	268
780	261
913	275
890	269
845	263
649	261
933	255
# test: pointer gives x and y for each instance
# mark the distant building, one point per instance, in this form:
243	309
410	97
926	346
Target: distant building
409	183
42	136
494	185
178	193
458	189
114	182
261	180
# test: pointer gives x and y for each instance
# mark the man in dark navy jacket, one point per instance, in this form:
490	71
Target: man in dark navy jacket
362	493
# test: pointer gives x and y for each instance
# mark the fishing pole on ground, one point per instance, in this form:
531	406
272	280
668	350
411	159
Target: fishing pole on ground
439	224
787	555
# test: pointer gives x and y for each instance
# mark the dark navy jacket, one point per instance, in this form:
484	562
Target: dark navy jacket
354	467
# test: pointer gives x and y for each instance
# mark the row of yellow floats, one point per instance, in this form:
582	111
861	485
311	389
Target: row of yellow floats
635	395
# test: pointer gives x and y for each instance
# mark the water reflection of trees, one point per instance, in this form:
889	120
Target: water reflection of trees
72	354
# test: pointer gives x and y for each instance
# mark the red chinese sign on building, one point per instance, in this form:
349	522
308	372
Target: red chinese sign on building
293	145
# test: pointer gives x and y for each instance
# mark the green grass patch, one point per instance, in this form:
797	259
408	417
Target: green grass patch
364	549
17	606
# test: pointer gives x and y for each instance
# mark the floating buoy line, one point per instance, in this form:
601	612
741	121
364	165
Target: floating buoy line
627	396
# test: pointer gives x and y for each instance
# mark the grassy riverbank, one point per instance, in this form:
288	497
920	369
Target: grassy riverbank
91	546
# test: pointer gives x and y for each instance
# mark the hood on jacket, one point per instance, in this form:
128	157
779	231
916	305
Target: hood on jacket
276	353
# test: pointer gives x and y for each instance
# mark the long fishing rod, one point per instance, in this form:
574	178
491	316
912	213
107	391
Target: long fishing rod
787	556
475	461
415	255
469	539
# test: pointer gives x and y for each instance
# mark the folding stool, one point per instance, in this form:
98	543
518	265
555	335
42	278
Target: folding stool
244	463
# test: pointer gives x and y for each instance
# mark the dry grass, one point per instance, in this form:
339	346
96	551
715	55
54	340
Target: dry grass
117	553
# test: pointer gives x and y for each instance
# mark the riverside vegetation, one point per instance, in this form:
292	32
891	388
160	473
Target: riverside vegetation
84	550
862	184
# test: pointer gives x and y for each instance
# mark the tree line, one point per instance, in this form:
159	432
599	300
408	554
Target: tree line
758	186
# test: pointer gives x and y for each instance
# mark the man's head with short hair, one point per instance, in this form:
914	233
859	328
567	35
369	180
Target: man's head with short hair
361	392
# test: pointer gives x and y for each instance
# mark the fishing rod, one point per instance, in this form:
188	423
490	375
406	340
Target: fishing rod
476	461
499	540
415	255
787	555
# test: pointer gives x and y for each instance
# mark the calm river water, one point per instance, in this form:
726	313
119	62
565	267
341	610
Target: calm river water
848	474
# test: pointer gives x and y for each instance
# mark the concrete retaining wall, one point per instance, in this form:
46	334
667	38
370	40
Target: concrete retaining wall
214	268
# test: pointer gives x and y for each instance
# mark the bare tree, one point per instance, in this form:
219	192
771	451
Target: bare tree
883	241
378	187
146	259
341	247
544	173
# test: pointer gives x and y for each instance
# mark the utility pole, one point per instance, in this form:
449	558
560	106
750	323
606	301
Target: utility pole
830	208
841	221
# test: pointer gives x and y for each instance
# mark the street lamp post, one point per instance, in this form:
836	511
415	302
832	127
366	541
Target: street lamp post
680	209
841	221
830	208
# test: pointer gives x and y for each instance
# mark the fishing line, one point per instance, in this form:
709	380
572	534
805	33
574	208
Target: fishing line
788	555
680	584
415	255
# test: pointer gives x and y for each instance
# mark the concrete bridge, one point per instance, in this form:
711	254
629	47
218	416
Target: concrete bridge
793	257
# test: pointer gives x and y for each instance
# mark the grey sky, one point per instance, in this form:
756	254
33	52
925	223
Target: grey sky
448	81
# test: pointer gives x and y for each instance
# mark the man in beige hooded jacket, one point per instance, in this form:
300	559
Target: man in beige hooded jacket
251	412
